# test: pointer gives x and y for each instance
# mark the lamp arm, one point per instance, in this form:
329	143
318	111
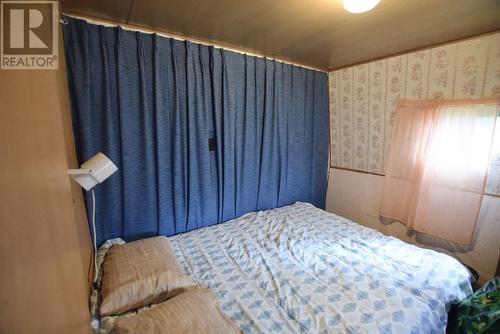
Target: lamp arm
79	171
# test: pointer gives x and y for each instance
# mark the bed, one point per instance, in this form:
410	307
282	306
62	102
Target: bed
299	269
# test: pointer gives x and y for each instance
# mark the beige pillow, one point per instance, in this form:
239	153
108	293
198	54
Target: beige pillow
192	312
140	273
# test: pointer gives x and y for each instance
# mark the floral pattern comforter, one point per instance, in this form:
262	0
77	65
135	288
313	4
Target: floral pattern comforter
299	269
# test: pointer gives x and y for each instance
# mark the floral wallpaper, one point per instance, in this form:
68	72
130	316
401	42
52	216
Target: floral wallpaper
363	97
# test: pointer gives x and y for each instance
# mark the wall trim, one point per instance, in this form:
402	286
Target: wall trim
356	170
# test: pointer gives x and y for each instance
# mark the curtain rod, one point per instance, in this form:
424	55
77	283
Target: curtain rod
131	27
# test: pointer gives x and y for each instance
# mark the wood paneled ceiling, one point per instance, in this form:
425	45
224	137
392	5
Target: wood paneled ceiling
315	33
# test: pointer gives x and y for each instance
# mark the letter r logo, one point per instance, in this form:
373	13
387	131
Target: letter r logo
27	27
17	25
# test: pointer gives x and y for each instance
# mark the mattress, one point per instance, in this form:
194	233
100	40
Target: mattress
299	269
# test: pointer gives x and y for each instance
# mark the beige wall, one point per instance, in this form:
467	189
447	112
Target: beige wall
45	247
362	104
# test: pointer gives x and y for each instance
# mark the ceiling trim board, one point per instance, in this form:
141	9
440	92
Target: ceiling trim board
130	11
457	40
168	34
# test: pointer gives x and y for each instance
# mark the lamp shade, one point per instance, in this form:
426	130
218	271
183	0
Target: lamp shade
93	171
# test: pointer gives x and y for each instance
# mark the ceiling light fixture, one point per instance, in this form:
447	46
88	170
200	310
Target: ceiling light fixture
359	6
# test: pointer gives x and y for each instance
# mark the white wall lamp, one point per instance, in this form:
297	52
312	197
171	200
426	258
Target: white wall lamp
92	172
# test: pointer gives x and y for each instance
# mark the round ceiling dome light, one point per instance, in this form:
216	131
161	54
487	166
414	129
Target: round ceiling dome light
360	6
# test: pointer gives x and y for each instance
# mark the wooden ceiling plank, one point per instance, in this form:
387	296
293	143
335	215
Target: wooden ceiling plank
115	10
319	34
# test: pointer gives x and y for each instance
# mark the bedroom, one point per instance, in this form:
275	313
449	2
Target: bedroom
270	166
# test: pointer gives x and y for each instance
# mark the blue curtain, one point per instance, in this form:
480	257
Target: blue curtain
200	135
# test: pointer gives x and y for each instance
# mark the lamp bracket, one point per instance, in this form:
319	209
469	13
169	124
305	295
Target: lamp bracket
80	171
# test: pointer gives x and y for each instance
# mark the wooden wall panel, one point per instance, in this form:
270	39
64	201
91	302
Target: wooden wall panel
45	248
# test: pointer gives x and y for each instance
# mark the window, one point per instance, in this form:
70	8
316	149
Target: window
495	150
493	180
439	158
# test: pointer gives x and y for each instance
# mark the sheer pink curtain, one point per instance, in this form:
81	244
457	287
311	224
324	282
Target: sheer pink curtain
437	166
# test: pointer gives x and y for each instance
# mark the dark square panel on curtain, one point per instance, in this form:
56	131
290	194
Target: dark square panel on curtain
152	104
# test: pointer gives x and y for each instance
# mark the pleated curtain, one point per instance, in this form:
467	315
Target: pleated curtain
200	135
437	166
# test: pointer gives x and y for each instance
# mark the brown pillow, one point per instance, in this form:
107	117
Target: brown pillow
192	312
140	273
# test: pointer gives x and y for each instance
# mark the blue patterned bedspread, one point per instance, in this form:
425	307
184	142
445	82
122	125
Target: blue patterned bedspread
300	269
